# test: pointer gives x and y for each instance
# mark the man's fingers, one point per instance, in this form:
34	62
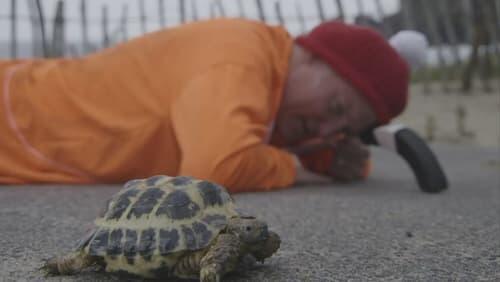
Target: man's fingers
346	170
352	154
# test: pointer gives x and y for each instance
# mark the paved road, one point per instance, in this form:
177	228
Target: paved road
382	229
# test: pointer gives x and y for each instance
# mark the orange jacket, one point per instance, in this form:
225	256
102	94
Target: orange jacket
195	100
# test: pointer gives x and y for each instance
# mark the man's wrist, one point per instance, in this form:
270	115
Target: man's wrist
304	177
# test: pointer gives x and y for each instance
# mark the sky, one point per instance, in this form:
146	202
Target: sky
115	7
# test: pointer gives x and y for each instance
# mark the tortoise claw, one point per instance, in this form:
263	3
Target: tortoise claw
209	274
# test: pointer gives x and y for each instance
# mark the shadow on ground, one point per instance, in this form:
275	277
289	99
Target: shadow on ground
381	229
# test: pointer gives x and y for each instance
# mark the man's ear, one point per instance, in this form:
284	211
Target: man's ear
314	59
305	55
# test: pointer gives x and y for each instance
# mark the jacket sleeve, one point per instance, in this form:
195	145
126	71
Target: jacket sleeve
220	120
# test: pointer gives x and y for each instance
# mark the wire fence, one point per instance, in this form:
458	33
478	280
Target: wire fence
464	34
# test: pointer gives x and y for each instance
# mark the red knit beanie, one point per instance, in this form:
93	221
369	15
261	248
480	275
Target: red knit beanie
362	57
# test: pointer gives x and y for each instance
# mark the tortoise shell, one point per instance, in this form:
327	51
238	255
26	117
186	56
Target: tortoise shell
158	217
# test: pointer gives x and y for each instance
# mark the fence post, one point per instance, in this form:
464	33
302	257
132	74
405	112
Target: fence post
241	9
300	17
321	13
42	28
279	14
381	14
466	9
35	28
123	22
444	14
406	10
58	40
497	9
436	39
142	16
38	26
182	11
13	29
194	10
361	7
480	37
105	33
495	31
213	13
220	7
73	50
488	9
260	9
161	12
85	35
497	12
340	9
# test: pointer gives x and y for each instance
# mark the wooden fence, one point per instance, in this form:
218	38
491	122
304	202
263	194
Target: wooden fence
449	25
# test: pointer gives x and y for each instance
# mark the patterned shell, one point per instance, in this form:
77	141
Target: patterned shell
160	215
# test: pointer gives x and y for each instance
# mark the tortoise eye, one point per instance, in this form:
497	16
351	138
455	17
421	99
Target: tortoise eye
249	228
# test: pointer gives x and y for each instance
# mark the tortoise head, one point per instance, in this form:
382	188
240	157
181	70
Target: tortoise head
255	235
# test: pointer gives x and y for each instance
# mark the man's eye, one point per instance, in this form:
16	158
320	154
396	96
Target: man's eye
335	108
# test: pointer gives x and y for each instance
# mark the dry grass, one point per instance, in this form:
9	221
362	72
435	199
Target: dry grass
455	117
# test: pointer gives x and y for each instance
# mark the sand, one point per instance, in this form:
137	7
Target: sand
436	116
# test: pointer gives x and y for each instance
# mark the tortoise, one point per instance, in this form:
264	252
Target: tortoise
162	226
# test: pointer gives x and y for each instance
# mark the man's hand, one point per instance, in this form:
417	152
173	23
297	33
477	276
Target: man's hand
307	177
351	160
343	160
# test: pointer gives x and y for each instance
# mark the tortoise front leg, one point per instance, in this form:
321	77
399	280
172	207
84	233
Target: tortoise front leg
69	264
221	258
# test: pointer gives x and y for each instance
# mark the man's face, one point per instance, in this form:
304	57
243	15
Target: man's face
319	103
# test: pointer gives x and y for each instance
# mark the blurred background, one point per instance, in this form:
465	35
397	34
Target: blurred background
455	98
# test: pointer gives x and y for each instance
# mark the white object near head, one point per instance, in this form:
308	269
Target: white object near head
386	136
412	46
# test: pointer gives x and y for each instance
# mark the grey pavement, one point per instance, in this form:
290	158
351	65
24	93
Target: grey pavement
383	229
